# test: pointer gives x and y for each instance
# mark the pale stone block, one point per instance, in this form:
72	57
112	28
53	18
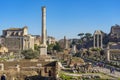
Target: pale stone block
2	67
43	51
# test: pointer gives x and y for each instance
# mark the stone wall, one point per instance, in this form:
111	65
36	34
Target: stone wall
45	69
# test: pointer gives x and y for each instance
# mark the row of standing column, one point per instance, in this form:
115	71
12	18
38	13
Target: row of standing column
97	41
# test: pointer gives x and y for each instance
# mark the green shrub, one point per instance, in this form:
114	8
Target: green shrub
30	54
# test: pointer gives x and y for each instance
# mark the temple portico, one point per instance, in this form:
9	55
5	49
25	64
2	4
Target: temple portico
97	42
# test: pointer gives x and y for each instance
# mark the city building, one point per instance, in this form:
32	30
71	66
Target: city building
51	40
17	39
37	39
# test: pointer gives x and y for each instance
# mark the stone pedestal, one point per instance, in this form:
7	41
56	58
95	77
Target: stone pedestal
43	51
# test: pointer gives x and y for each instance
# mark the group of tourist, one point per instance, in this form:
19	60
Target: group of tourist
100	64
112	69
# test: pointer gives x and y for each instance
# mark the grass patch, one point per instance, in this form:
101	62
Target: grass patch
64	75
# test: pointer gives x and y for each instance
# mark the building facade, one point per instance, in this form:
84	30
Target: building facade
51	40
37	39
17	39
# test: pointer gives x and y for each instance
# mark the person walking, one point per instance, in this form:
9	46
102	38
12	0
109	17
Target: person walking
113	70
110	70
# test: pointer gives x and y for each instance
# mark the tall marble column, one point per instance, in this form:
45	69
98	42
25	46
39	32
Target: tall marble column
108	53
43	46
101	42
98	40
44	26
94	41
65	43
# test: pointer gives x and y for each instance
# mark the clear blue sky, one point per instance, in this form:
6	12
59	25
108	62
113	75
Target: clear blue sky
64	17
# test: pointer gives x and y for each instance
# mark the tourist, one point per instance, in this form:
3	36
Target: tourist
3	77
113	70
110	70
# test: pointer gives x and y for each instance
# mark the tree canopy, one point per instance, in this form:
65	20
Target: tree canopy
50	47
80	34
57	47
88	35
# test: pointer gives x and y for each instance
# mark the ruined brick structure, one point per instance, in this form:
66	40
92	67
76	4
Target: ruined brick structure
43	69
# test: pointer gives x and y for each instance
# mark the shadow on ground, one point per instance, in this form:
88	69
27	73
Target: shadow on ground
39	78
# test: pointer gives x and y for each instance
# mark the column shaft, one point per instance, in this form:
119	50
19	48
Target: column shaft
44	25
